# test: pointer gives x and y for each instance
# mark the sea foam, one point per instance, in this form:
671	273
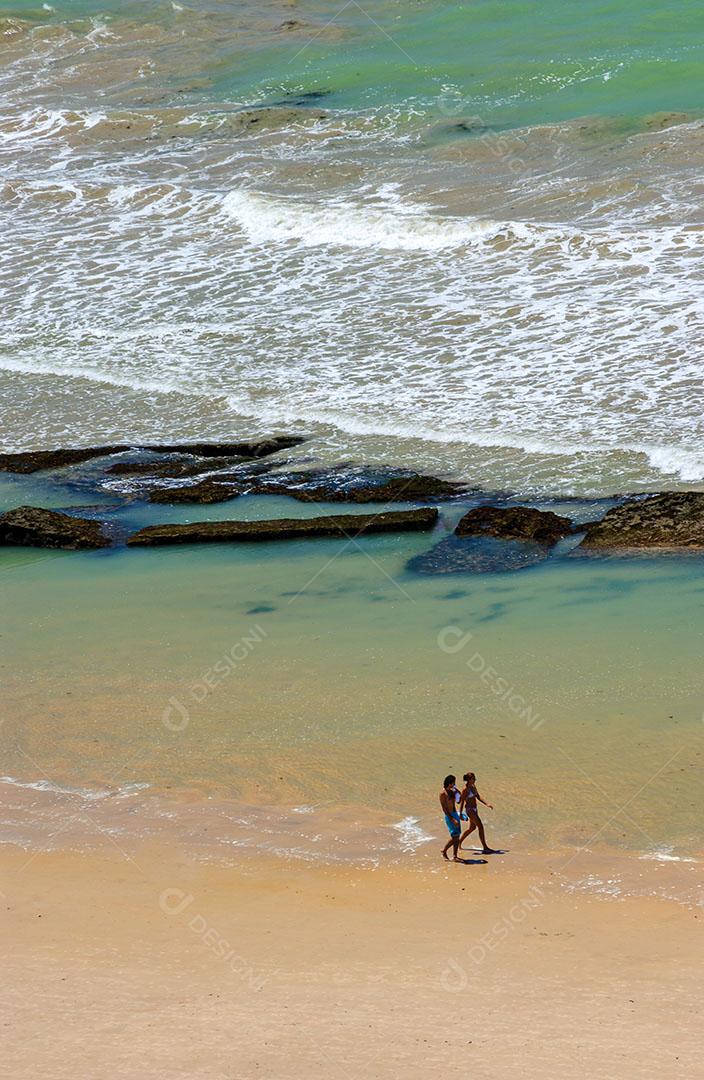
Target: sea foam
267	219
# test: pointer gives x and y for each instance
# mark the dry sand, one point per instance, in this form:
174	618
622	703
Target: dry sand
160	967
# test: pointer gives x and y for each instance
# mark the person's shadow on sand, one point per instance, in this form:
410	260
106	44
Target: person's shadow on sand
494	851
471	862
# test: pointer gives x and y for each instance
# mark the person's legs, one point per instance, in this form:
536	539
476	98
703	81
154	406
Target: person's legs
454	841
466	833
485	847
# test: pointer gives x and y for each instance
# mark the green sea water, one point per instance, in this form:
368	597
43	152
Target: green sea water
525	319
328	675
508	62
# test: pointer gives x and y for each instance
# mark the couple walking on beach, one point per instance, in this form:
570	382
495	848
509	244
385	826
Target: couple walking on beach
459	806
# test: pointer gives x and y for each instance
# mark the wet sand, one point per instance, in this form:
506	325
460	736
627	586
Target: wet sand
162	967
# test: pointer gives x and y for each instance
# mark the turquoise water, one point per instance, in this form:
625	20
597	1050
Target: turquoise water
509	63
571	688
464	239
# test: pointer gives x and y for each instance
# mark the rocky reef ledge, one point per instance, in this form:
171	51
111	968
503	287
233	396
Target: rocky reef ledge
340	526
670	520
32	526
338	484
33	461
494	534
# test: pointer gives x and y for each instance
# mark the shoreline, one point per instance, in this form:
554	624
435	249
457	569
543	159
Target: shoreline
350	839
246	971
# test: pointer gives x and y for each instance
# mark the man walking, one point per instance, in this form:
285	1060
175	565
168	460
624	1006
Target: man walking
452	817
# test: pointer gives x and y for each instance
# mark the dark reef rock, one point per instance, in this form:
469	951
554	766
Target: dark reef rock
253	448
342	526
32	526
672	519
204	492
171	468
36	460
337	485
515	523
357	485
477	555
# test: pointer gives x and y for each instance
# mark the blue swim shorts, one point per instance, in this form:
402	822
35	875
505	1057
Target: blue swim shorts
453	825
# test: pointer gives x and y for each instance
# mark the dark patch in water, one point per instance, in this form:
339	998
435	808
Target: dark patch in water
454	594
477	555
260	609
605	585
310	97
494	611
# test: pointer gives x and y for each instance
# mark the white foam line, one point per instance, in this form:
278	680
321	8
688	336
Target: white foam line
411	834
90	794
687	465
666	856
669	460
73	371
267	219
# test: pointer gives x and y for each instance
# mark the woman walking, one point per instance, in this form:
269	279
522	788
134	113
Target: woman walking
468	804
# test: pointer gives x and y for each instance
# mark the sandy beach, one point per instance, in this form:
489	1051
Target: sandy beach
163	967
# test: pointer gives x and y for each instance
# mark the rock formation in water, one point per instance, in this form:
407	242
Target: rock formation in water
32	526
671	519
515	523
35	460
341	526
337	484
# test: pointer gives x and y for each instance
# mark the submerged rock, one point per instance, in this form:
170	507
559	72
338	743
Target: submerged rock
515	523
36	460
341	525
338	485
672	519
170	469
33	526
204	492
273	116
478	555
357	485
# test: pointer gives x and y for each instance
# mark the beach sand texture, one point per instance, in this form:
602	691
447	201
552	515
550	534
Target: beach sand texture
117	968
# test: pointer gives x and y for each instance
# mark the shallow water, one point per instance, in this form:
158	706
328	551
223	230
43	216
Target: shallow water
460	238
324	674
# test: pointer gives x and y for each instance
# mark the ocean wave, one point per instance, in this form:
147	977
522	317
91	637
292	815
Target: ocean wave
402	225
674	461
667	461
267	219
541	355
